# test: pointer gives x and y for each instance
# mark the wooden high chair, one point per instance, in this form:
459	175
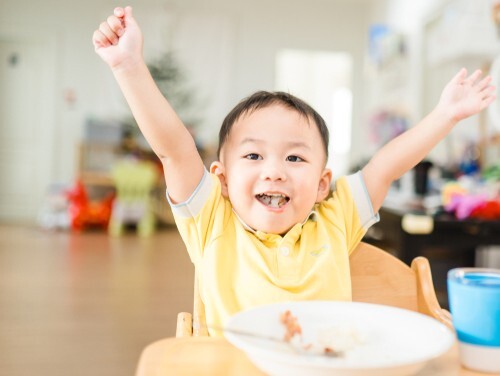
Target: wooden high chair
377	277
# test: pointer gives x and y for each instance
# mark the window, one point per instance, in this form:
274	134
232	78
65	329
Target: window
322	79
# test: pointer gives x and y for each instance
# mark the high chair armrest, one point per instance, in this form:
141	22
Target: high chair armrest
427	300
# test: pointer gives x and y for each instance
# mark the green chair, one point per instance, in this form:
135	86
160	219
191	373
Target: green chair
134	181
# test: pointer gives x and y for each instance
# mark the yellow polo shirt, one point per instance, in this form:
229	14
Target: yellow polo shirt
239	268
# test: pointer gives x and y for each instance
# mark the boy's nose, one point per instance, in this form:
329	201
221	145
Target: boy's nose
273	172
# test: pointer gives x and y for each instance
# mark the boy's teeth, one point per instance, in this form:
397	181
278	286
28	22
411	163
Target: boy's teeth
274	201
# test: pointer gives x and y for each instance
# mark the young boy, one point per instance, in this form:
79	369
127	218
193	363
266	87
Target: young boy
259	227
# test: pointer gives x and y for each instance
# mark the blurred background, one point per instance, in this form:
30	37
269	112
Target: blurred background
79	253
372	68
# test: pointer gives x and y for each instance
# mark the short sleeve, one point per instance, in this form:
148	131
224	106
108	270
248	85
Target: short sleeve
202	216
193	205
350	209
362	200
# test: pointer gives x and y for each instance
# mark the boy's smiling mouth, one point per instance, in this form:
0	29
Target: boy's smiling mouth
273	200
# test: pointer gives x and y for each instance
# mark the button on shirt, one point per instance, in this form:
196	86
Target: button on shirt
285	251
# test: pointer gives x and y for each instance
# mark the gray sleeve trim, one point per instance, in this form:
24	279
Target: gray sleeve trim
362	200
193	205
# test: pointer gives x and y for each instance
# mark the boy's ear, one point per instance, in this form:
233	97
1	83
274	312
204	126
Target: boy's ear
218	169
324	185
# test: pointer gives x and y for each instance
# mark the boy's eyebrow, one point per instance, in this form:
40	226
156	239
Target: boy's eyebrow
292	144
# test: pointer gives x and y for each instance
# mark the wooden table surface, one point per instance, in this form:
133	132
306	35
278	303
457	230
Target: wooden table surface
216	356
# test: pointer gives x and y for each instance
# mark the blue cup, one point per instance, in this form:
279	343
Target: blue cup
474	297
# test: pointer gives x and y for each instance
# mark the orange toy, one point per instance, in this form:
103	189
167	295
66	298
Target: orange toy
85	213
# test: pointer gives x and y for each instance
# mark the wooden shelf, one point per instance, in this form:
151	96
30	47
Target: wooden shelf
96	178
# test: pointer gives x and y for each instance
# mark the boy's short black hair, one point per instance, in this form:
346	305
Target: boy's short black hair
262	99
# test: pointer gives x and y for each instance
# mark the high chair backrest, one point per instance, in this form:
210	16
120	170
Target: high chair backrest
377	277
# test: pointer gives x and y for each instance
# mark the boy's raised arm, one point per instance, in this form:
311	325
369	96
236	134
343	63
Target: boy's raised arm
462	97
118	41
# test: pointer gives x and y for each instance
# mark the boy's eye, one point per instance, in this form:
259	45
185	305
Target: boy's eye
253	156
294	158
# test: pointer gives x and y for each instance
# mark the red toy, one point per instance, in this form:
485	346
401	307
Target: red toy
85	213
489	211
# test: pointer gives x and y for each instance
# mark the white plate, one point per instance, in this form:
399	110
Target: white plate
381	340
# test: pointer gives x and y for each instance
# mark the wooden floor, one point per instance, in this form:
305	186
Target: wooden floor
87	304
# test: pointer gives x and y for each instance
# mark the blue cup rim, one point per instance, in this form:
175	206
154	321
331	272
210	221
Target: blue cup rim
459	274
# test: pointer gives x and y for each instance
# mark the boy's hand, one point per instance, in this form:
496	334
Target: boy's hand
466	96
118	41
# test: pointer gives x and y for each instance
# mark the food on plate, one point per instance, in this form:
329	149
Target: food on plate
293	335
291	325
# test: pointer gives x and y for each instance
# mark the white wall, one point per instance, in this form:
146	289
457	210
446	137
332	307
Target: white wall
228	48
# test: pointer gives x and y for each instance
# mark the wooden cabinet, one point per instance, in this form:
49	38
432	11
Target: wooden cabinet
94	163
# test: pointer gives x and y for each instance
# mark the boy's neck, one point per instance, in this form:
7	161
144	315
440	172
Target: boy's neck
312	214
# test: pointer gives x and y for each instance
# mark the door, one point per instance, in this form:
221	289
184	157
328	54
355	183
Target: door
26	114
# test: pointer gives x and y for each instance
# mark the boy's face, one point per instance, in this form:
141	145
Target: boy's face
272	168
